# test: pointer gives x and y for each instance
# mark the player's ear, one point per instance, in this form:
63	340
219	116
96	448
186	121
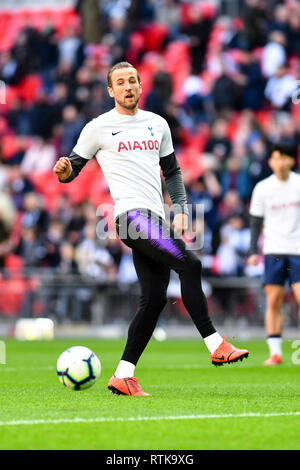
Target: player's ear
110	92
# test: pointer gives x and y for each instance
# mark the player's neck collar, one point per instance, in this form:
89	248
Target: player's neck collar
130	116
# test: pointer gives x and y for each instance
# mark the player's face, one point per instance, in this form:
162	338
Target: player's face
281	165
125	89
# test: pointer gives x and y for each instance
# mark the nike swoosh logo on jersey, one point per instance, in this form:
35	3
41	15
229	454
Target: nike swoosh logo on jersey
115	133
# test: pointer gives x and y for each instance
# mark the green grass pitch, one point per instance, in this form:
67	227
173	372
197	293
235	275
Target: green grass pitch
193	405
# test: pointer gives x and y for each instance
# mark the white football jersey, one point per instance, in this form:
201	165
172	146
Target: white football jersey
128	149
278	202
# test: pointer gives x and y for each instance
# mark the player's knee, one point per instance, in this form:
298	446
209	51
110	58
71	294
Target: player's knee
155	299
274	301
195	266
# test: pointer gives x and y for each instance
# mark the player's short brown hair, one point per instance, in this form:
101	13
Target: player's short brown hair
120	65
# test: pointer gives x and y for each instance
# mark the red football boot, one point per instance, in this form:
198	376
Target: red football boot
126	386
273	360
226	353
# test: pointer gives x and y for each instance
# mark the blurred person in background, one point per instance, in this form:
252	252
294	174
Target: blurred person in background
7	219
198	193
280	89
93	260
255	23
253	90
39	157
34	214
275	203
218	142
18	185
197	31
72	125
70	49
273	54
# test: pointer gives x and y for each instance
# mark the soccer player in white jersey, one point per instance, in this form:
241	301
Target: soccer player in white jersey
275	203
132	146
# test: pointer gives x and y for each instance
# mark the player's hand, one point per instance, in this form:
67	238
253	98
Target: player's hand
180	223
63	168
253	260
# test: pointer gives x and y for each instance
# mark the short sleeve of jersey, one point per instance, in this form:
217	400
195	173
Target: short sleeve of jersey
166	147
88	142
257	206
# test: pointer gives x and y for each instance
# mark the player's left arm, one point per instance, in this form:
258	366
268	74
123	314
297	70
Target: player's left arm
175	186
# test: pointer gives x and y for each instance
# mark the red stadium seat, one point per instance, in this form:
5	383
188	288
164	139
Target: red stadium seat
29	88
207	9
154	35
9	146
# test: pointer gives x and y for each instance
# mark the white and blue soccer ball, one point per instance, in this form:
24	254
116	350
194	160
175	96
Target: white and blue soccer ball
78	368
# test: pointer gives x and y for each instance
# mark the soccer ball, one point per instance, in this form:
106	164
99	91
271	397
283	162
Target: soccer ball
78	368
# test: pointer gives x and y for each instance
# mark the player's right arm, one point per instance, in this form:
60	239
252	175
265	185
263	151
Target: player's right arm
256	223
67	168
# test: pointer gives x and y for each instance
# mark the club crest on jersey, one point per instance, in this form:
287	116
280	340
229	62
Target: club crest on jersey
135	145
151	130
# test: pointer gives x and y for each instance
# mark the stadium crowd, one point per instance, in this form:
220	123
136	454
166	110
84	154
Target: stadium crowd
224	84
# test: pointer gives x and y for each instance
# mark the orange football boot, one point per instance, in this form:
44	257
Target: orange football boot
126	386
273	360
226	353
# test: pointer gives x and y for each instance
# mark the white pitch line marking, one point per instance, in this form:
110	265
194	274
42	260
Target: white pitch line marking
146	418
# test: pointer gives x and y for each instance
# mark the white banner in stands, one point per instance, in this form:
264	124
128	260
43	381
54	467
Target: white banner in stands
35	4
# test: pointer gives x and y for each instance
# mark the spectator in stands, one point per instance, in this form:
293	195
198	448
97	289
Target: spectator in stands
253	90
256	161
40	157
76	224
40	116
255	20
59	99
231	253
197	100
64	209
18	185
98	102
294	33
118	38
198	193
139	14
30	248
280	21
18	117
218	143
68	301
274	54
93	260
10	71
52	241
227	92
280	88
160	94
235	176
34	215
48	56
70	49
198	32
168	13
230	205
72	124
7	218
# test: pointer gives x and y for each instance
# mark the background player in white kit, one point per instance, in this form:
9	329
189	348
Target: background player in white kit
131	147
275	203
